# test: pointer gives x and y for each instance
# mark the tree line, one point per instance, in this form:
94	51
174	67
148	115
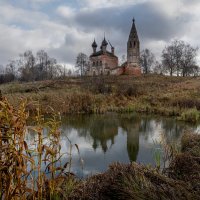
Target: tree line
178	58
30	67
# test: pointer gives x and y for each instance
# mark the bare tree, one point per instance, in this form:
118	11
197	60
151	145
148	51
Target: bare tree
147	59
158	68
26	63
188	62
82	63
179	58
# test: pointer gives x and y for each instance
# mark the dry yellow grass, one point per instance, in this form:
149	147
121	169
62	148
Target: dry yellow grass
162	95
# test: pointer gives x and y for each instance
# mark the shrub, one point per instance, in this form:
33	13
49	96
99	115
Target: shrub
191	115
127	89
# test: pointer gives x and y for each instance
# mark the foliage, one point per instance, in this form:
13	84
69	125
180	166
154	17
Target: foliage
191	115
22	174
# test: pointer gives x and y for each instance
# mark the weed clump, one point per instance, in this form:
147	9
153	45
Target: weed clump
186	165
132	181
127	89
191	115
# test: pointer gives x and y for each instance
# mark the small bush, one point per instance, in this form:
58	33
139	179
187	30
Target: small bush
127	89
99	85
191	115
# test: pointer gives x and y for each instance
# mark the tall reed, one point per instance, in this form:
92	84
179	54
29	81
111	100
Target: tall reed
30	171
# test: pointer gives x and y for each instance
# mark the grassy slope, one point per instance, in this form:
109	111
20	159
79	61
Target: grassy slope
151	94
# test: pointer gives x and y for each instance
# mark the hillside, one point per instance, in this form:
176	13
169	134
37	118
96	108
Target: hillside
170	96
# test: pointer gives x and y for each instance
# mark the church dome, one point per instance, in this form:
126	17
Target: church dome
94	44
104	42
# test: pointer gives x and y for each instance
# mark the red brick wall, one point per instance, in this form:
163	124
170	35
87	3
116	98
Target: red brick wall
112	62
135	71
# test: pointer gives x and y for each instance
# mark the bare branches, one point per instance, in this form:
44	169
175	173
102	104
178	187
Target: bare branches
82	63
180	58
147	59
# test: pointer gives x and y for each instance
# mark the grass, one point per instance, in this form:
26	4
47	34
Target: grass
190	115
162	95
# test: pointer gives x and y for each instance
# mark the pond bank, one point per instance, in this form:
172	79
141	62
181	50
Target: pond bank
133	181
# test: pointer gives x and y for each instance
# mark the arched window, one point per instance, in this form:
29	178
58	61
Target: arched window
130	44
94	73
93	63
100	63
134	44
101	72
97	63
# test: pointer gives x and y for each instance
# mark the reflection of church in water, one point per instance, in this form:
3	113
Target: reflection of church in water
132	130
102	130
107	130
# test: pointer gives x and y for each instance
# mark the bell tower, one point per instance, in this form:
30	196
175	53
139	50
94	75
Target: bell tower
133	47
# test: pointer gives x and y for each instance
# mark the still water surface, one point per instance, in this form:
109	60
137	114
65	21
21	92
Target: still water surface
108	138
103	139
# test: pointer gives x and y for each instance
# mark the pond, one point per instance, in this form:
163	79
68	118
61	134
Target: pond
104	139
108	138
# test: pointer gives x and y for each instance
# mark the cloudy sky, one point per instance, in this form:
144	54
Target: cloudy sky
66	27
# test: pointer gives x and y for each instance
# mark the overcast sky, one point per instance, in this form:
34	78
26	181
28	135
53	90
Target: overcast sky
66	27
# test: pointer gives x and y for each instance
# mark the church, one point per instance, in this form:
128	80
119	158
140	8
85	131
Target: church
105	62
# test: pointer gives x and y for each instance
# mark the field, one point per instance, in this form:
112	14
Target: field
169	96
161	95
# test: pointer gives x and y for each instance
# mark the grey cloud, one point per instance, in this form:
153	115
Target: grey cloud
155	29
151	22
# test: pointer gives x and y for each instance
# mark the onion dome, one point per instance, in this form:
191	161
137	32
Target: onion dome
104	42
94	44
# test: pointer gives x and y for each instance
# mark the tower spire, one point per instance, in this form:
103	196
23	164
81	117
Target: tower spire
133	32
133	46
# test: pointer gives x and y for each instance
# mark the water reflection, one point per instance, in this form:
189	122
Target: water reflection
103	139
108	138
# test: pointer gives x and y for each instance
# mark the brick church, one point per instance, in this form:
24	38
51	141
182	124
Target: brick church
105	62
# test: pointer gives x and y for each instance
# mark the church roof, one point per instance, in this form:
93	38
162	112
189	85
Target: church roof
133	33
99	53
